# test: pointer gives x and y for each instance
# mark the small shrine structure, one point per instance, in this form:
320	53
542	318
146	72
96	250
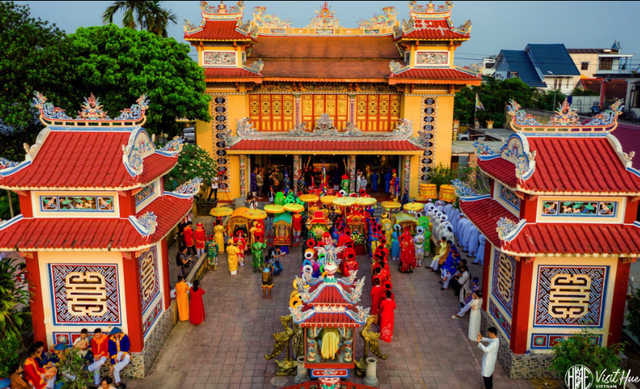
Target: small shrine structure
561	231
329	318
378	95
94	226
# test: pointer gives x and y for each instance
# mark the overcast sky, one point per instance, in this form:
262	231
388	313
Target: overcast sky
496	25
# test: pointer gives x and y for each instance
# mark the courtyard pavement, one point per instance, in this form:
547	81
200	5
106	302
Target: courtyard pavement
429	349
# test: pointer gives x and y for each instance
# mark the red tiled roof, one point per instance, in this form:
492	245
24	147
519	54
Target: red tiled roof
435	74
346	69
587	239
325	145
485	214
326	47
228	73
500	169
578	165
329	320
433	30
219	30
85	159
329	295
93	234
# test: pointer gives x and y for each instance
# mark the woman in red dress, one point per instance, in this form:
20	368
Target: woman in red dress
376	295
196	306
387	306
407	253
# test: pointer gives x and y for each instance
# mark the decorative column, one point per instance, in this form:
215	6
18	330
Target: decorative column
352	109
296	171
37	305
352	173
619	296
407	174
131	273
164	249
298	111
243	178
312	352
521	305
347	348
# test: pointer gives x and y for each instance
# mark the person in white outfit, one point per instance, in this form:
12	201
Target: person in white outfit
468	306
474	319
490	355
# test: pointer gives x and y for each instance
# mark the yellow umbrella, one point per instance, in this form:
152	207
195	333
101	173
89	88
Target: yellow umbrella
294	208
255	214
345	201
366	201
413	207
221	211
390	205
272	208
309	198
327	199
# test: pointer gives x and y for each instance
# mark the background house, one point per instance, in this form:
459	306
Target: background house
544	66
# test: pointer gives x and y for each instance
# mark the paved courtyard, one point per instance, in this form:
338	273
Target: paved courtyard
429	349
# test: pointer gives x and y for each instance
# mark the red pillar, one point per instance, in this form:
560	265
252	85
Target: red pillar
619	297
131	272
631	211
486	270
25	204
37	307
165	271
521	305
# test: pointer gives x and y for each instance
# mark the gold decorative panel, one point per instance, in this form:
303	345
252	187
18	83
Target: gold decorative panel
337	106
377	112
276	112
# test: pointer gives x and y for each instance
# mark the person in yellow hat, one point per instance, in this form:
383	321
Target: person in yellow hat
232	252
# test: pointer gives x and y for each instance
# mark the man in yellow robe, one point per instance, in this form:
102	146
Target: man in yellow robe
182	299
232	252
219	232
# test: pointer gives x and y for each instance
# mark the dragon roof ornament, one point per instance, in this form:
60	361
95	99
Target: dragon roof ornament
430	11
324	129
188	189
565	120
465	192
260	19
145	224
386	20
508	229
221	11
92	112
325	18
482	150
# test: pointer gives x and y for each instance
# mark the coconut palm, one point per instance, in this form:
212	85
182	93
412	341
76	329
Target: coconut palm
147	15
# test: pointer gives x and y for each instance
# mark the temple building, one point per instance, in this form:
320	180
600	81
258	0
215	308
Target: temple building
94	225
561	231
377	97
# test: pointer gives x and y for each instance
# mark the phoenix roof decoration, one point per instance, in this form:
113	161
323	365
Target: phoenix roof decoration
325	19
386	20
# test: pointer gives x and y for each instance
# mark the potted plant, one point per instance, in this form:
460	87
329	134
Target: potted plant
194	161
71	370
582	348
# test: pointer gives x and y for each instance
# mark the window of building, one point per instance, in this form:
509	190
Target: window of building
584	66
336	106
515	75
272	112
377	112
606	64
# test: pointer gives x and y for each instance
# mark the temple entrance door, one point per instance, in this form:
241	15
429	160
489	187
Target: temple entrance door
279	163
380	164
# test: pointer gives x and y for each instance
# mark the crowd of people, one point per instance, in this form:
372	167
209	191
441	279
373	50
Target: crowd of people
40	368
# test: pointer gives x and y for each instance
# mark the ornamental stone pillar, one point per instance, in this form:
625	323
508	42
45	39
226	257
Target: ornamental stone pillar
298	111
243	175
296	171
352	109
407	174
352	173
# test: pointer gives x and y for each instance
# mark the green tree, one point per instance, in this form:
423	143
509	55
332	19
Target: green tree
9	355
193	161
544	100
583	92
72	364
147	15
13	301
120	64
34	57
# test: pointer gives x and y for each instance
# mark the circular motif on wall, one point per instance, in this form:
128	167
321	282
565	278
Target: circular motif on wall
220	100
220	109
428	127
221	161
221	118
220	144
221	153
429	110
221	127
430	101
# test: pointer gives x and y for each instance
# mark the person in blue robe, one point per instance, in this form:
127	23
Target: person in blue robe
374	180
480	256
387	181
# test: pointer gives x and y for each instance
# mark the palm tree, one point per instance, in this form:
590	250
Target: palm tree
147	15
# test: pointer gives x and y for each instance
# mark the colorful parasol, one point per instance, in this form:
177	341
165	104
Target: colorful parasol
366	201
413	207
221	211
294	208
345	201
255	214
390	205
328	199
272	208
309	198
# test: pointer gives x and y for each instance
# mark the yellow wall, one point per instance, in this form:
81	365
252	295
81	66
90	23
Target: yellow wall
204	136
412	110
444	130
